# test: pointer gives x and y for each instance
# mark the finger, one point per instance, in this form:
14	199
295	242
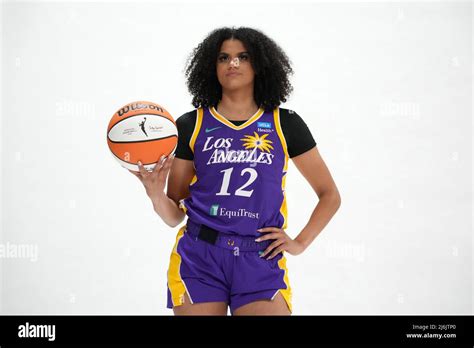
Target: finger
167	163
142	169
171	158
271	247
273	235
158	164
276	252
161	166
136	174
166	167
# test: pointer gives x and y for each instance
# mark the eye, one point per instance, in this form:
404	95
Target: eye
244	56
222	58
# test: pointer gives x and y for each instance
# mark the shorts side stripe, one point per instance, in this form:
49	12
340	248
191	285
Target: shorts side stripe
285	292
175	282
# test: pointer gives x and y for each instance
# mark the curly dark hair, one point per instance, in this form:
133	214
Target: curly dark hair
271	65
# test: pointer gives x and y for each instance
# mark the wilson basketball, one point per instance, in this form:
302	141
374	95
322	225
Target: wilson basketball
141	131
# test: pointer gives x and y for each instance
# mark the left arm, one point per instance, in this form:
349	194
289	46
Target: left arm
312	167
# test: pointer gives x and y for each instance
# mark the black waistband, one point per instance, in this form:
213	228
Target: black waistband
225	240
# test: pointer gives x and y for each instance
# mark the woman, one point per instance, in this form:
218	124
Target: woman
229	179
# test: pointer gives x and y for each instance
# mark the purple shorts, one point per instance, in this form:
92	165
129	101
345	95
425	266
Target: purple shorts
223	269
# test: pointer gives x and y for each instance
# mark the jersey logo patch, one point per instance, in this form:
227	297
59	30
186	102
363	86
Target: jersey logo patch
257	141
211	129
213	209
264	124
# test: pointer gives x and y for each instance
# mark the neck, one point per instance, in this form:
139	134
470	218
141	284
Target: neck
237	105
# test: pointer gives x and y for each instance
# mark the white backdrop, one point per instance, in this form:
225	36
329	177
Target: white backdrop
385	89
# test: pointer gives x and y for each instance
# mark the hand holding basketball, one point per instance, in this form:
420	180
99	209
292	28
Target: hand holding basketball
155	180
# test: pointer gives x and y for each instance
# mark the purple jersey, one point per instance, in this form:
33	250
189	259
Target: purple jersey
239	185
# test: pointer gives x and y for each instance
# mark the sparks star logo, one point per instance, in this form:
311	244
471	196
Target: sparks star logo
257	141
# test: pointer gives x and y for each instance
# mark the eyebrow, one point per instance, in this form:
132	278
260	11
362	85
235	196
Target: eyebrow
228	53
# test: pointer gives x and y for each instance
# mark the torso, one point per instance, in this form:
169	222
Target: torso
240	173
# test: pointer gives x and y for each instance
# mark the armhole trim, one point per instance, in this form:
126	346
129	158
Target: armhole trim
276	118
197	128
283	207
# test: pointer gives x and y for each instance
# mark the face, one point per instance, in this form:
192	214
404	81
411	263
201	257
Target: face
234	70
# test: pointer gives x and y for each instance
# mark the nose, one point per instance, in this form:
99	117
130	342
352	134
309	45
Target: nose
235	62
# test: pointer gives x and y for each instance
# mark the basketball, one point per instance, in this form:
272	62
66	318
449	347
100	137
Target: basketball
141	131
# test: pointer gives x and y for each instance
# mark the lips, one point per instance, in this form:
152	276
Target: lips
233	74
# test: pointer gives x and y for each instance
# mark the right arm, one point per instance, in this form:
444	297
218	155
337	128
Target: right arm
166	205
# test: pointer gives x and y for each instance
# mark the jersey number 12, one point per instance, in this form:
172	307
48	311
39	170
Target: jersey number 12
240	191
